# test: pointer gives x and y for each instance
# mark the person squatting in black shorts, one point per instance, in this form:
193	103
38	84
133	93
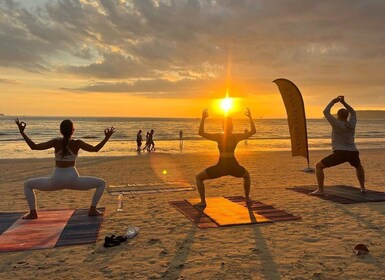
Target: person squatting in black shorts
227	163
343	146
339	156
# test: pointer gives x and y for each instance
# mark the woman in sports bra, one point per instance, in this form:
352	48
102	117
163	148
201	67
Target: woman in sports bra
65	175
227	163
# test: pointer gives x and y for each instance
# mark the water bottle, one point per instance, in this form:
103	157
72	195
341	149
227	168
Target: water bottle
120	203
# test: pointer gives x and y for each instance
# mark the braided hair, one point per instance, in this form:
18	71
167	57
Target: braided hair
66	129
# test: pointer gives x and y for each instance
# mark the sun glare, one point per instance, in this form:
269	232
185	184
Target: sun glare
226	104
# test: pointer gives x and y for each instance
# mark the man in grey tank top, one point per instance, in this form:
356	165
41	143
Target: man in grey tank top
344	148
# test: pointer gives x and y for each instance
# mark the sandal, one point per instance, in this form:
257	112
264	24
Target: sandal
111	242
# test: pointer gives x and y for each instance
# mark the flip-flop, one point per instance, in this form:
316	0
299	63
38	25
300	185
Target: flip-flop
110	242
119	238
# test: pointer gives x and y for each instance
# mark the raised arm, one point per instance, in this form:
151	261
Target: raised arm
40	146
332	120
89	148
201	131
250	133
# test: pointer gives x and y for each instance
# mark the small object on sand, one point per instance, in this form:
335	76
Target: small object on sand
132	231
361	249
308	170
111	241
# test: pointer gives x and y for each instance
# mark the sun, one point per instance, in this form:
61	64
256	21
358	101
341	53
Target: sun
227	104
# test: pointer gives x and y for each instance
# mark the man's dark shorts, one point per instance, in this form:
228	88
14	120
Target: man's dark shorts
226	166
339	157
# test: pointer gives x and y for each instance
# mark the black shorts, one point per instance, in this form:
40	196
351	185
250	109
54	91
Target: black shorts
226	166
339	156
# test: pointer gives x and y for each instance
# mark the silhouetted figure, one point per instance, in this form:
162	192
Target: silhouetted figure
227	163
246	131
344	148
139	141
65	175
147	145
151	144
181	137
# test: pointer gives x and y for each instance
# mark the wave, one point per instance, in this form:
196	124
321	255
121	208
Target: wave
90	137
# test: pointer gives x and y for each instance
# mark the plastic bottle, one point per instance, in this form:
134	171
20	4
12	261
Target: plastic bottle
120	203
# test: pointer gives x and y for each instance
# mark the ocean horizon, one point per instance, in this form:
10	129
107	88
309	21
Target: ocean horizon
272	134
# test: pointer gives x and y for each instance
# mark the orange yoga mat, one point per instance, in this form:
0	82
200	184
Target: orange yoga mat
225	212
43	232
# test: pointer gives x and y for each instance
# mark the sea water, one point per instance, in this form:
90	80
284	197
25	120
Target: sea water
272	134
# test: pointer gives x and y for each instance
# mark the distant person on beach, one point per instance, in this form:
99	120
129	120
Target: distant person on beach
65	175
227	164
139	140
181	137
246	130
344	148
147	144
151	143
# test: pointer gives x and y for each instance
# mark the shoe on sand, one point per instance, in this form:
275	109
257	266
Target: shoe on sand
110	241
361	249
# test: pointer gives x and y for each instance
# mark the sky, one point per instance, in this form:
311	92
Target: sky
173	58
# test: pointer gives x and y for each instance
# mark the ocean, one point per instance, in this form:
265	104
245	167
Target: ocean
272	134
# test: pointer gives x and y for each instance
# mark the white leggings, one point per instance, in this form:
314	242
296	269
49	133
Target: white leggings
63	178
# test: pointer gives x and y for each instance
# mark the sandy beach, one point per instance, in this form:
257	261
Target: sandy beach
170	246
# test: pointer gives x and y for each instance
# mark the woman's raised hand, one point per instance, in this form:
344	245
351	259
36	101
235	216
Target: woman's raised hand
248	113
109	131
205	113
20	124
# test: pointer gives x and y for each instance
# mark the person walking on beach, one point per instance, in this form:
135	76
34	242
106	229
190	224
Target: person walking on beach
139	140
65	175
227	163
344	148
151	144
147	144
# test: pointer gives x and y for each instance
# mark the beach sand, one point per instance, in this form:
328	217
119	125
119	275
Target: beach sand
170	246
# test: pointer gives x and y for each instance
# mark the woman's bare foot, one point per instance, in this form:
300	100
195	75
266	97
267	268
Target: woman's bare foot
31	215
363	190
94	212
200	205
317	192
248	202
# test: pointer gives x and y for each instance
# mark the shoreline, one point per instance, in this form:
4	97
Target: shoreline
133	154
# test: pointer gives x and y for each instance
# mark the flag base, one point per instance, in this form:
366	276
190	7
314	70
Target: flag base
308	169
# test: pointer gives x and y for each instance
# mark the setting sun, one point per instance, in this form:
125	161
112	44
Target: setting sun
226	104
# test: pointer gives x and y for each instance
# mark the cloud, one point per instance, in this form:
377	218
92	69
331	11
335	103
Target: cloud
9	81
113	66
123	44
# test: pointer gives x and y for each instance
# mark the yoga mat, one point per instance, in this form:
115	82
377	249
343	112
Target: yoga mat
343	194
52	229
80	228
225	212
7	220
197	217
268	211
39	233
204	221
149	188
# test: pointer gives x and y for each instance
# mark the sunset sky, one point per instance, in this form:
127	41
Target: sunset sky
173	58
